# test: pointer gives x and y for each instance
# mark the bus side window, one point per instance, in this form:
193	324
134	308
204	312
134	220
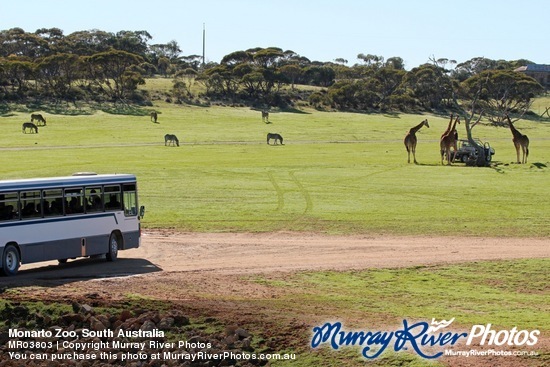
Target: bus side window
130	200
9	206
30	204
94	199
52	202
74	201
112	198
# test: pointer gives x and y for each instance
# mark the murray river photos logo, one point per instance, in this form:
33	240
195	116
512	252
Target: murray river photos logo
427	340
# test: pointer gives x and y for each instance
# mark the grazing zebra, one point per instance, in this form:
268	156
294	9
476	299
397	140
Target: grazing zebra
170	139
274	137
30	125
39	118
154	116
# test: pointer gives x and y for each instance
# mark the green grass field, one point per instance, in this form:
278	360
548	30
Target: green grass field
480	291
503	293
336	173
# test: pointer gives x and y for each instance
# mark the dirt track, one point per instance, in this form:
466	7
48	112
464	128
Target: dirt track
198	254
274	252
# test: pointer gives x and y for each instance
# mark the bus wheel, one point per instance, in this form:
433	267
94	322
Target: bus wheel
10	260
113	247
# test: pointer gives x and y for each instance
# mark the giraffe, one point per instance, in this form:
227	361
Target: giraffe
410	140
448	140
448	127
519	140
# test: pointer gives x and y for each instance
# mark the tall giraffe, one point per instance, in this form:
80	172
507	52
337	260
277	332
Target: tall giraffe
519	140
410	140
448	141
448	127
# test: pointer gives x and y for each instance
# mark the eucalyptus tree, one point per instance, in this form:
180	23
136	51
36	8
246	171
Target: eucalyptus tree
17	72
237	57
395	62
502	92
292	72
163	65
170	50
371	60
54	40
493	93
256	71
183	82
319	75
341	61
429	85
134	42
268	57
112	74
477	65
165	57
57	73
267	62
345	94
17	42
386	83
220	81
190	61
373	91
90	42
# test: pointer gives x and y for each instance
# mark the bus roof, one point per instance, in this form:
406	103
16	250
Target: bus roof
75	180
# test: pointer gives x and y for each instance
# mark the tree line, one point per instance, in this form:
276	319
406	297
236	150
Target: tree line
95	65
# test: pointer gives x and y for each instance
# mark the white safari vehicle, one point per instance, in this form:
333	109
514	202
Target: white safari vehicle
467	153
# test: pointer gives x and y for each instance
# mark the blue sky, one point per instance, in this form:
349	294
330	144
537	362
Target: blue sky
320	30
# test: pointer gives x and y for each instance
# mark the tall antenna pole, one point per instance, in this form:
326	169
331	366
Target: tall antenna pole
203	42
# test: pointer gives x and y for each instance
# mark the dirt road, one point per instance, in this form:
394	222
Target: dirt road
274	252
190	254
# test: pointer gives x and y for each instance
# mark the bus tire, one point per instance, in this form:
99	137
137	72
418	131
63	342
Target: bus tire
114	245
10	260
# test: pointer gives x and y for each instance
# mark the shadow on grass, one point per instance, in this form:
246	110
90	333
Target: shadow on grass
286	109
76	109
499	166
430	164
295	110
125	110
538	165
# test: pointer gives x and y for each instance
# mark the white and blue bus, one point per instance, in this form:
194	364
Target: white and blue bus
62	218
